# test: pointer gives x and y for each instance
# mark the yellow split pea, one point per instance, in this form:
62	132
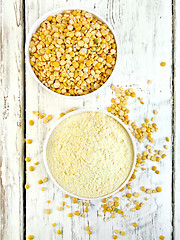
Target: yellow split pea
134	224
58	232
87	228
73	53
115	236
27	159
163	64
30	237
47	211
31	168
31	122
27	186
29	141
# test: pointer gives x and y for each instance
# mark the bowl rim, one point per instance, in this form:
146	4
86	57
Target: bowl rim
35	26
75	113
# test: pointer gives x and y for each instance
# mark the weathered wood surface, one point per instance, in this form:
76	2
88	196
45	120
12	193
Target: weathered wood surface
12	120
145	31
177	119
145	34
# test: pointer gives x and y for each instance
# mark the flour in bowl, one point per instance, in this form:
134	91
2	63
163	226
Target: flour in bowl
90	154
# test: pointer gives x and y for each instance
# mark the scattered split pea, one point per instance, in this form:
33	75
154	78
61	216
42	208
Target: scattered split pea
122	233
29	141
70	215
44	179
40	181
58	232
47	211
27	186
27	159
30	237
163	64
31	168
158	189
87	228
115	237
31	122
134	224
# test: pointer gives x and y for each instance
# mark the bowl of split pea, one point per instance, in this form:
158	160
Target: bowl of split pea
72	52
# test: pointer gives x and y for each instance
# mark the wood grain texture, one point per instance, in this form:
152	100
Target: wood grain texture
177	118
12	122
145	31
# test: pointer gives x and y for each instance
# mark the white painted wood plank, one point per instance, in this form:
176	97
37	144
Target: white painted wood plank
177	118
39	99
11	119
144	29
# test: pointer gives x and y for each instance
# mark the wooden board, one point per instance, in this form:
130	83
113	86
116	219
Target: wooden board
144	30
141	54
176	185
12	120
